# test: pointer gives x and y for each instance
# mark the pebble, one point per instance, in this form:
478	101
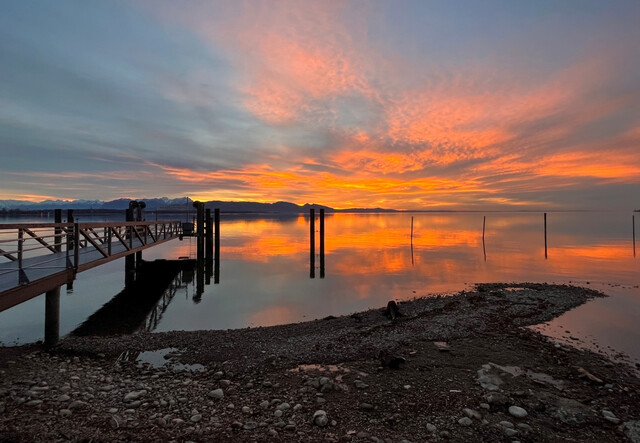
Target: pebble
246	410
359	384
264	404
610	416
510	432
63	398
113	410
517	411
65	412
366	406
465	421
216	394
272	432
431	428
283	406
196	418
225	383
77	404
34	403
506	424
320	418
485	406
471	413
297	407
250	425
278	413
113	422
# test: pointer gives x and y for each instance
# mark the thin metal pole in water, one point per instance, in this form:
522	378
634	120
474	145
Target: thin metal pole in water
312	243
412	229
545	235
484	249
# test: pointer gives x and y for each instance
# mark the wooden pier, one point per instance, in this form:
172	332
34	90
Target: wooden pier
36	258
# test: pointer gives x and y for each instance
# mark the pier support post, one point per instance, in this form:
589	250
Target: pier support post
52	318
57	242
312	243
633	230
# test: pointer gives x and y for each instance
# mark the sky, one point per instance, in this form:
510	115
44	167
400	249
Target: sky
395	104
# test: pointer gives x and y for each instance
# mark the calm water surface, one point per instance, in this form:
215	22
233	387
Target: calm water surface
265	274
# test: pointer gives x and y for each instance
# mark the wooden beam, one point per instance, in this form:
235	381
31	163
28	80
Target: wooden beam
94	243
39	240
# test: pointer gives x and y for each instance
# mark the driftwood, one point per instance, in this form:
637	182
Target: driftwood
392	311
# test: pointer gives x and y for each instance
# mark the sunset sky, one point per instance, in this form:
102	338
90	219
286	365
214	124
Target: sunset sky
397	104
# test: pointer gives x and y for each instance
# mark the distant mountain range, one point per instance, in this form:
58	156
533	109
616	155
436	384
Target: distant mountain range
171	205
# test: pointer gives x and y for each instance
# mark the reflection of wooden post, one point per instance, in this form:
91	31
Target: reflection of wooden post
321	243
545	235
52	318
312	243
633	229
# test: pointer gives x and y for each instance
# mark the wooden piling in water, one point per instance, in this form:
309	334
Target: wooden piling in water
312	243
209	234
321	243
633	230
216	273
545	235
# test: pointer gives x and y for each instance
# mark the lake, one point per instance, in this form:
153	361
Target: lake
265	274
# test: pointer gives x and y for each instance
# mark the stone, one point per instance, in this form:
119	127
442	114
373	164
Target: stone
133	395
485	406
113	410
472	413
225	383
297	407
283	406
632	430
359	384
366	406
250	425
320	418
62	398
246	410
272	433
610	416
216	394
76	404
196	418
114	423
465	421
506	424
278	413
496	398
33	403
517	411
510	432
431	428
65	412
264	404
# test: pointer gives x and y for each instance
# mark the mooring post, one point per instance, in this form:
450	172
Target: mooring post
209	234
199	229
216	274
52	318
312	243
321	243
57	218
633	230
545	235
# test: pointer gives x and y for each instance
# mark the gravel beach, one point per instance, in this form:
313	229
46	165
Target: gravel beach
457	368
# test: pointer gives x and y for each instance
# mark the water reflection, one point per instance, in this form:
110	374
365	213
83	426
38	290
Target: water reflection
149	290
371	259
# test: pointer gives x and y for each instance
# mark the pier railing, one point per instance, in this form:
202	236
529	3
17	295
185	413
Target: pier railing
31	252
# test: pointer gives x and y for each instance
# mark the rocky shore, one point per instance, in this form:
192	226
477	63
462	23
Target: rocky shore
457	368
